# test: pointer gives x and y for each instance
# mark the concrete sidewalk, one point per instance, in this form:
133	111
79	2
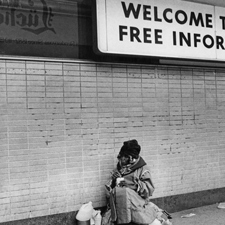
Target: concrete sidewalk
206	215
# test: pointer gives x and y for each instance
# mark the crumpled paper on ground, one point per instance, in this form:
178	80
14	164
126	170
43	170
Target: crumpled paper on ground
221	205
188	215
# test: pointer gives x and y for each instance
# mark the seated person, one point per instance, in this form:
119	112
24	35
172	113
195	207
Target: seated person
130	189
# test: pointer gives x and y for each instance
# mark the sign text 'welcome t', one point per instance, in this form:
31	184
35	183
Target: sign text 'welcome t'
161	28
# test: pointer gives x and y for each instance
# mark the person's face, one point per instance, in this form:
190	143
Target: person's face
124	159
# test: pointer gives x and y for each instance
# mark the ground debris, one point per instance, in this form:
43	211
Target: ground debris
188	215
221	205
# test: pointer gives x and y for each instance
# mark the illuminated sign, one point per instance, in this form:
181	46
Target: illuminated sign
161	28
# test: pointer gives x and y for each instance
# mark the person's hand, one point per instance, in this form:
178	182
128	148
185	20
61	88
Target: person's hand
115	175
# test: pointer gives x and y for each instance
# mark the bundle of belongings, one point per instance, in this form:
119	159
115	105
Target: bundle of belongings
129	190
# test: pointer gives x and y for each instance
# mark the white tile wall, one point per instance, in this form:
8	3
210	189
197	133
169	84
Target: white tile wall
62	125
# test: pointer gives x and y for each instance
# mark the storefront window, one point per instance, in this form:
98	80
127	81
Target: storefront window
45	28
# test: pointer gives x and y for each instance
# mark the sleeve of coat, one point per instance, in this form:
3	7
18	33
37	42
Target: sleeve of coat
145	186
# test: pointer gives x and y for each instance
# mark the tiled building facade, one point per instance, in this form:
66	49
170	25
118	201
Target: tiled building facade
62	125
63	122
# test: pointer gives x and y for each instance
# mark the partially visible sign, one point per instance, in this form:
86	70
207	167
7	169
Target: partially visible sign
161	28
38	28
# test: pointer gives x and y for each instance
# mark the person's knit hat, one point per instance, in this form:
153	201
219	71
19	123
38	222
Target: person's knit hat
131	148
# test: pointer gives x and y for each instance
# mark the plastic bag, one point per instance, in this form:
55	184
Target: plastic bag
96	217
85	212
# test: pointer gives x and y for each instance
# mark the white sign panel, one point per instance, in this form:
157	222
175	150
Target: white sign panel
161	28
